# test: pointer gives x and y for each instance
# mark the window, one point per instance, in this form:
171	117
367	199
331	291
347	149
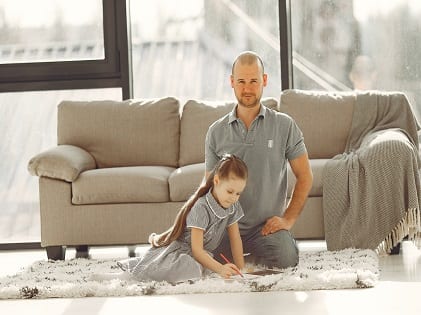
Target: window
186	48
81	47
28	125
50	30
359	44
50	51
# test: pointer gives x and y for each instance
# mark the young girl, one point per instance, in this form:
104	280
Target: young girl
183	251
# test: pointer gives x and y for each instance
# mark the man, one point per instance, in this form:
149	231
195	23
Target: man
265	140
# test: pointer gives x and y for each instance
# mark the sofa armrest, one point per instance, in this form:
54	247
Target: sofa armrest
63	162
386	137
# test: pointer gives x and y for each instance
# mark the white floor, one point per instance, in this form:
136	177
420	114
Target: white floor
398	292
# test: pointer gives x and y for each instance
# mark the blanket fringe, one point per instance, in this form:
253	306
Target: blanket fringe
409	225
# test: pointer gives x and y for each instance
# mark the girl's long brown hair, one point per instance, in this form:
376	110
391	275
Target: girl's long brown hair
228	165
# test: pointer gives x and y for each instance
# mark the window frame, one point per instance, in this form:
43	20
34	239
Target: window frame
285	42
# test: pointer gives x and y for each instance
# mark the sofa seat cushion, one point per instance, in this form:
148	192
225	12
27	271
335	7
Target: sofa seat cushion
122	185
317	166
184	181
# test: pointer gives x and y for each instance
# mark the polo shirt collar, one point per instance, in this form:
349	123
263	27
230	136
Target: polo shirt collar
233	113
216	208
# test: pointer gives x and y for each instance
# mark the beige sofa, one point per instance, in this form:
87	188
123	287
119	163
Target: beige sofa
121	170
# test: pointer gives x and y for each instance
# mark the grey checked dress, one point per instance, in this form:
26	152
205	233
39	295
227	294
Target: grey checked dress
175	263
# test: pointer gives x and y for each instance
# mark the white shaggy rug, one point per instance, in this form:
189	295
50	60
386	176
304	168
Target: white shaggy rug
349	268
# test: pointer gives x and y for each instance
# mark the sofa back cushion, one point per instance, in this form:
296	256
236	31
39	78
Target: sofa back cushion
323	117
127	133
196	118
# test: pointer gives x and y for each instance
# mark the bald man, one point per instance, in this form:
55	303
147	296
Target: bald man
266	140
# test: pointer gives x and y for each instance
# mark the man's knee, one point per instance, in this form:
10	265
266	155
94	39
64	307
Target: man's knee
280	250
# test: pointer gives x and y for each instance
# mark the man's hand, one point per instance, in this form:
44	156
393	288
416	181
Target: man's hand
274	224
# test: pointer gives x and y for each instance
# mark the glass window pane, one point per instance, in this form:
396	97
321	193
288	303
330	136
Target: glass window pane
28	125
359	44
50	30
186	48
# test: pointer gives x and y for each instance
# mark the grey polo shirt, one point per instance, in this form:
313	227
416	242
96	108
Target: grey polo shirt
272	139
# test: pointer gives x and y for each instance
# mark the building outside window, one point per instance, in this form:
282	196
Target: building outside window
359	44
186	48
50	31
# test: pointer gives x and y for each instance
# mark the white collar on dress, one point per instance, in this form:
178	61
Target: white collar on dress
216	208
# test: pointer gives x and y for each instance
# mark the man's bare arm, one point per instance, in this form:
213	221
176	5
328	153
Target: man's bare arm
302	171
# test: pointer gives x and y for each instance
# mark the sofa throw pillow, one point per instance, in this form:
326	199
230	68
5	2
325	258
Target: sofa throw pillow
64	162
196	118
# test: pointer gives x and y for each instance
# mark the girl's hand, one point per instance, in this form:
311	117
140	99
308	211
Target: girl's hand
227	270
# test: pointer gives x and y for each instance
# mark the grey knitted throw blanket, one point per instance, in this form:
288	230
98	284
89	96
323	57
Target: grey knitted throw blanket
371	192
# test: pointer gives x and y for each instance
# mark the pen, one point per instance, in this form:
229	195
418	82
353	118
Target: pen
228	262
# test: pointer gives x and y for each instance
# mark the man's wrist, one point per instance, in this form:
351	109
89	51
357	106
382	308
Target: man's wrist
289	220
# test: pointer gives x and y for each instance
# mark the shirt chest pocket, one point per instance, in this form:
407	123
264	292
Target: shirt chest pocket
269	149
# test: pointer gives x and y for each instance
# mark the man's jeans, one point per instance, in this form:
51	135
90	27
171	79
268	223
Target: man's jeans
277	250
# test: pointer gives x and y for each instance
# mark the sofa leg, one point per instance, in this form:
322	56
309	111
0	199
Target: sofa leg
131	250
82	251
56	252
396	250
